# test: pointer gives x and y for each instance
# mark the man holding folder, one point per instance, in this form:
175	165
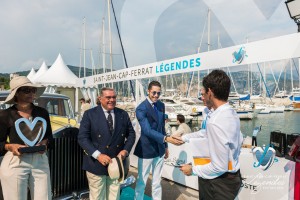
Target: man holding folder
220	178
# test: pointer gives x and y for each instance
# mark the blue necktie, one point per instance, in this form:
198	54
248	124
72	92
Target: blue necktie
155	108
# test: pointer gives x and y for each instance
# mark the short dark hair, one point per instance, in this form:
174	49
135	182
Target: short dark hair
104	89
154	83
219	83
82	99
181	118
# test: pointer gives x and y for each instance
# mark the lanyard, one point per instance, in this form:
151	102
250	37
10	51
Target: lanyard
203	126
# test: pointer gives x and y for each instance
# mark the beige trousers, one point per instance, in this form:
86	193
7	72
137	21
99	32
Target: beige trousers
103	187
18	173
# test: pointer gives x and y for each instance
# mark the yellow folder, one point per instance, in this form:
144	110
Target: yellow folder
200	149
204	161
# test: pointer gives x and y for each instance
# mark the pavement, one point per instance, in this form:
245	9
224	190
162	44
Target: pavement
170	189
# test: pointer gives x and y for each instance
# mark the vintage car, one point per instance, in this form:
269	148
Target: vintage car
68	180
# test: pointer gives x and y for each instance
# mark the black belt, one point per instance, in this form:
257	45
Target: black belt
227	174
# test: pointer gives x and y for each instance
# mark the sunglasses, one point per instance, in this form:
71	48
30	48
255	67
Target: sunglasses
154	93
27	90
110	97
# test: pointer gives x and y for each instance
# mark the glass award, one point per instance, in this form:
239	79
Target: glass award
31	133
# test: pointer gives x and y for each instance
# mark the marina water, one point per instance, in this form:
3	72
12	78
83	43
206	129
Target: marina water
287	122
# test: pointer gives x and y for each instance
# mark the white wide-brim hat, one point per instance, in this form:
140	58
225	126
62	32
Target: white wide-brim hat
22	81
116	169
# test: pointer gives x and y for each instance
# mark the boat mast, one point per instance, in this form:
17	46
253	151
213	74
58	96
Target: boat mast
110	40
80	52
103	47
292	81
198	51
284	81
266	88
277	82
208	33
248	81
231	80
93	63
166	79
251	81
84	74
265	92
260	85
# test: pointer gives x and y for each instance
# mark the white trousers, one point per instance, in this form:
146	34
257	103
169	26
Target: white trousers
18	173
144	166
103	187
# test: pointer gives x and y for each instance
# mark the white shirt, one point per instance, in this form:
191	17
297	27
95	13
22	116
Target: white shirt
112	114
97	152
151	102
224	143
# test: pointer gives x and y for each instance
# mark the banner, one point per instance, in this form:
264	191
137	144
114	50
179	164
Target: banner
279	48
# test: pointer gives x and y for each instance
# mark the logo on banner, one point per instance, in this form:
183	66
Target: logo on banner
264	157
239	56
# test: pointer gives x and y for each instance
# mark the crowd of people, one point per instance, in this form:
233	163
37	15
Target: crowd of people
106	133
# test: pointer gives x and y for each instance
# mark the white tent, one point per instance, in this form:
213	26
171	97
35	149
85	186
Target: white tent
40	72
31	74
58	75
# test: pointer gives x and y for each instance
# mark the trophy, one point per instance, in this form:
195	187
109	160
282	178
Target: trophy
31	133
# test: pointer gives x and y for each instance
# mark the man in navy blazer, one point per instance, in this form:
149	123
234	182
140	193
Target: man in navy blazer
105	132
152	147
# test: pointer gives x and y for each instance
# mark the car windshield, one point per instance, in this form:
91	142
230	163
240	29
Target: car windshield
55	106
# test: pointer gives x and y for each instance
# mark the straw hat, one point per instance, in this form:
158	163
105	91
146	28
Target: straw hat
21	81
116	169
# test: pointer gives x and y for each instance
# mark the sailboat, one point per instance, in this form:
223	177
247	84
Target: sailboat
295	98
281	94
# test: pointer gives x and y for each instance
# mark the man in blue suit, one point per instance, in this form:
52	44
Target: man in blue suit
152	147
105	132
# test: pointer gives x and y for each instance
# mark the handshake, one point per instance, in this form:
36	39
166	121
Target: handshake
176	140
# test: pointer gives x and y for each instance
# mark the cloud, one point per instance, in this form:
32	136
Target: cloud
35	30
35	64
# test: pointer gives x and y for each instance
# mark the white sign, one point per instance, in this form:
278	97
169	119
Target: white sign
279	48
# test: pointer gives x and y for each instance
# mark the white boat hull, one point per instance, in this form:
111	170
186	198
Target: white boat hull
245	114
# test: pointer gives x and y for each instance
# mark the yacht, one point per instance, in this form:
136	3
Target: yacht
295	98
172	110
281	94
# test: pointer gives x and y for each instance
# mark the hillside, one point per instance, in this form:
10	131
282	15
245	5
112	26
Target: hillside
240	80
74	69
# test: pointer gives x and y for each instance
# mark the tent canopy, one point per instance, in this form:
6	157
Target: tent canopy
58	75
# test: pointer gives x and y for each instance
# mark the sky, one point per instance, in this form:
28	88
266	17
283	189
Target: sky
35	31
